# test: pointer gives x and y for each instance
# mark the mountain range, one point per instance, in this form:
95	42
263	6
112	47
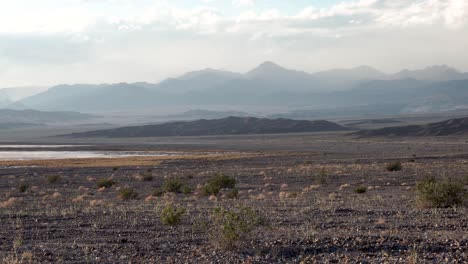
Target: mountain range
435	88
31	118
224	126
451	127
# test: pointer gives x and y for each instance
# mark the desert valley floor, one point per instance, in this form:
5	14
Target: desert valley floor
304	198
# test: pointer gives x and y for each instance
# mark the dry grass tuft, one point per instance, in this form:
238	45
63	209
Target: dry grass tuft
95	203
343	186
9	203
79	199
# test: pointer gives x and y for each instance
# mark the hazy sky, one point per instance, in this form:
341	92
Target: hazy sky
48	42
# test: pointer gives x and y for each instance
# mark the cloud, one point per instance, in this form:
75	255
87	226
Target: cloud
123	40
243	2
80	16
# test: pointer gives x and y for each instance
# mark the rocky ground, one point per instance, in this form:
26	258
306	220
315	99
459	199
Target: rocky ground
308	202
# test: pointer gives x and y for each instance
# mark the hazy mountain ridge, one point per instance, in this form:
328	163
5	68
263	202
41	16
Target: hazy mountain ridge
269	84
432	73
206	114
451	127
33	116
225	126
12	119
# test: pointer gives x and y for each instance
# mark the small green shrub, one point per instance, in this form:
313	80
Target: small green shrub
233	194
105	182
53	178
231	226
146	177
157	192
172	216
128	194
186	189
443	194
218	182
360	190
394	166
23	187
321	177
173	185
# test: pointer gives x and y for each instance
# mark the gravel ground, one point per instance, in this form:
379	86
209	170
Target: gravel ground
307	200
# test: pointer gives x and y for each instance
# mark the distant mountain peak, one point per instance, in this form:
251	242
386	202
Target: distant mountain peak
269	64
435	72
443	68
271	70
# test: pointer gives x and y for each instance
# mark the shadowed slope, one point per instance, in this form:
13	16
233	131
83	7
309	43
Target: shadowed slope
224	126
451	127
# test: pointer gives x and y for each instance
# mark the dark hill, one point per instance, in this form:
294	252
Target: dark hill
451	127
224	126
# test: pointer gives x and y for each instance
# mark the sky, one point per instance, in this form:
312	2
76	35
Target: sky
52	42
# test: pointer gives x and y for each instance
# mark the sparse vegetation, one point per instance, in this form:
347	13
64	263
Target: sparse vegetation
360	190
285	189
186	189
171	215
233	194
128	194
232	226
218	182
173	185
23	187
53	178
433	193
321	177
146	177
157	192
394	166
105	182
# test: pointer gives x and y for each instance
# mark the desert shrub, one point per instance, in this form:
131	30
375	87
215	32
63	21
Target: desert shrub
441	194
394	166
321	177
173	185
157	192
233	194
23	187
146	177
218	182
360	189
186	189
53	178
293	195
171	215
231	226
105	182
128	194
